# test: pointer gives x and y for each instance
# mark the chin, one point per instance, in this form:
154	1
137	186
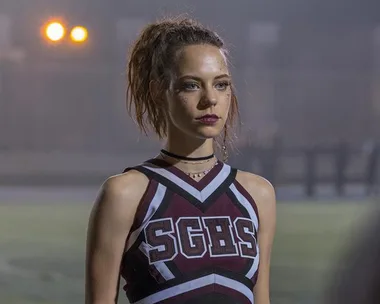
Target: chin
208	132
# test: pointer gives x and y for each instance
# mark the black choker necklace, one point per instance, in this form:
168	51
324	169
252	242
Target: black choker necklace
186	158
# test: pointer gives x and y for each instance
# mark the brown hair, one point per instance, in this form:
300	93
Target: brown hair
151	59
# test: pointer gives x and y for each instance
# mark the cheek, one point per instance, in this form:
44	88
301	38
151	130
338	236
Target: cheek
188	101
180	105
228	100
184	99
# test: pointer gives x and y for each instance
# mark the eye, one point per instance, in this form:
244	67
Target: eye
222	86
190	86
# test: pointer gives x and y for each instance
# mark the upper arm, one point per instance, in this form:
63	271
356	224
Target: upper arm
264	195
266	204
109	224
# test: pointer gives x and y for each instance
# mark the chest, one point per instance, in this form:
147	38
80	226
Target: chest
221	236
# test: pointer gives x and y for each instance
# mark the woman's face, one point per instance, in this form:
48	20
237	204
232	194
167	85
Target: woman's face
199	93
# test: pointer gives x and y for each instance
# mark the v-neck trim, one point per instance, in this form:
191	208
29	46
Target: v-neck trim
200	193
199	185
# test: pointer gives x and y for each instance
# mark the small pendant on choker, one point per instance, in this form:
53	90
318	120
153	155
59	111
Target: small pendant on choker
195	175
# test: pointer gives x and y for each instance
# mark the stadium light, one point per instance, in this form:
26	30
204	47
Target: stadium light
55	31
79	34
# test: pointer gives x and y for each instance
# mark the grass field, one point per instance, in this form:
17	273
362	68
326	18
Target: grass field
42	250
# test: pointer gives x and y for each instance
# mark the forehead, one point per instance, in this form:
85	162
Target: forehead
200	60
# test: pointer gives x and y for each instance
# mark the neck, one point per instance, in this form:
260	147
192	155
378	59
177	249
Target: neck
190	148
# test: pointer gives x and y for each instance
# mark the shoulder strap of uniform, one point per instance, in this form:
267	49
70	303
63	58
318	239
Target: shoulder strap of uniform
140	168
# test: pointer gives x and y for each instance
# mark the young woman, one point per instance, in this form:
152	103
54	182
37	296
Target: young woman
183	227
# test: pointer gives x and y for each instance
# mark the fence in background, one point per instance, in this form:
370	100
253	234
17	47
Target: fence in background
338	165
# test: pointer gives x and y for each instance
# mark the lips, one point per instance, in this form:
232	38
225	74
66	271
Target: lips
208	119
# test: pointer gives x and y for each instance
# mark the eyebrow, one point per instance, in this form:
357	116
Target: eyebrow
199	79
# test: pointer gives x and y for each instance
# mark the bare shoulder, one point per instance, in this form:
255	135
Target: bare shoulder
256	185
261	190
131	184
120	194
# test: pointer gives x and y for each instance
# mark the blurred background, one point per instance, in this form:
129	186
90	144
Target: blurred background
308	79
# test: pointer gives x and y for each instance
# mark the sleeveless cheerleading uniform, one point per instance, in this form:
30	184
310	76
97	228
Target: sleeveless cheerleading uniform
192	242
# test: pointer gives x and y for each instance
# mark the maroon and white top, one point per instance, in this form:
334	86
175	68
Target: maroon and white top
192	241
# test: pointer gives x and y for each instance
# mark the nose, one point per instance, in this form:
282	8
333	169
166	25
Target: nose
209	97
